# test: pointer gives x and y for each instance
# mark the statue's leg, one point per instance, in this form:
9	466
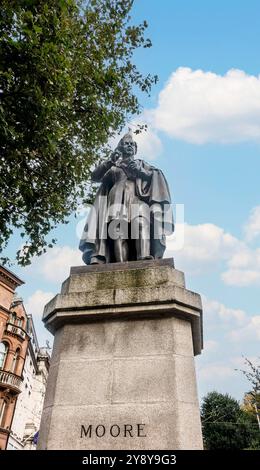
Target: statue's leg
120	236
143	240
121	250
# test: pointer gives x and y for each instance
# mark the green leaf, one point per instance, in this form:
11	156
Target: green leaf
68	82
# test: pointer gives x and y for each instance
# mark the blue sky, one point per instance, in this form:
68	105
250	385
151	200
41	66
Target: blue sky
204	125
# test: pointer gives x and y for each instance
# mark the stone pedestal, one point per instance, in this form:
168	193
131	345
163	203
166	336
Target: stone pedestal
122	371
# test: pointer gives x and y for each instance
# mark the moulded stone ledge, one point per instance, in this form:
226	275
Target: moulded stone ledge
139	289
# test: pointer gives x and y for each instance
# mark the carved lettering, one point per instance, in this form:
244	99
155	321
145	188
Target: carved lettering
115	430
84	433
102	432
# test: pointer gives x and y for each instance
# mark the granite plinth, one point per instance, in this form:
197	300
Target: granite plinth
122	372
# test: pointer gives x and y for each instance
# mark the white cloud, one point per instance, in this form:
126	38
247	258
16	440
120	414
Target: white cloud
55	265
243	268
204	245
243	258
252	227
250	332
214	310
200	107
216	371
37	301
210	345
241	277
207	246
229	333
236	324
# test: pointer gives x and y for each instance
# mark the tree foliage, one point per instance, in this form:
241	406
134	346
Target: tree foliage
67	83
225	425
252	373
252	398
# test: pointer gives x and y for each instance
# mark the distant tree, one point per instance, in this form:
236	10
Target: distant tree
67	83
250	402
248	407
224	424
252	373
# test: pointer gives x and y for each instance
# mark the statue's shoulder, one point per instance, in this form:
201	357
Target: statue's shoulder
146	164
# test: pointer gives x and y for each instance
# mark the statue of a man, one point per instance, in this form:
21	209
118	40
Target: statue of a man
131	214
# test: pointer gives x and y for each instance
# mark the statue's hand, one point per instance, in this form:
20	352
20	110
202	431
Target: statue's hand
132	165
115	156
137	171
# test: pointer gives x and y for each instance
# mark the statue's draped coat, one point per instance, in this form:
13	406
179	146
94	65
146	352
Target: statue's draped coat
118	184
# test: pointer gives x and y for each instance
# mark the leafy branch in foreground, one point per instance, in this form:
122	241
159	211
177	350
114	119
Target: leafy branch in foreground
67	84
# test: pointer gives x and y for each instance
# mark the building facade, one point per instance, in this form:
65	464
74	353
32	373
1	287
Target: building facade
23	369
13	347
27	415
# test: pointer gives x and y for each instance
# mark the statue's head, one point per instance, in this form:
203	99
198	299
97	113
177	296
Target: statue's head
127	146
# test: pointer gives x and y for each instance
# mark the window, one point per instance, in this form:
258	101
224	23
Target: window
19	322
12	317
15	361
2	412
28	326
3	354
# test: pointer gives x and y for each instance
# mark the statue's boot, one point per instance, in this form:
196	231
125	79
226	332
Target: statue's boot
97	260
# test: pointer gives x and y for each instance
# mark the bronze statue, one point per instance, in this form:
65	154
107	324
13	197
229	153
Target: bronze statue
131	214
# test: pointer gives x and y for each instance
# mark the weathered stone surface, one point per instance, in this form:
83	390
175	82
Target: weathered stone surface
155	288
123	356
122	275
159	420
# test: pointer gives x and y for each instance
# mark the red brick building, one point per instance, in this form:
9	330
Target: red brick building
13	346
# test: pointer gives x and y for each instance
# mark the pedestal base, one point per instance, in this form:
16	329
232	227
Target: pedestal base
122	372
